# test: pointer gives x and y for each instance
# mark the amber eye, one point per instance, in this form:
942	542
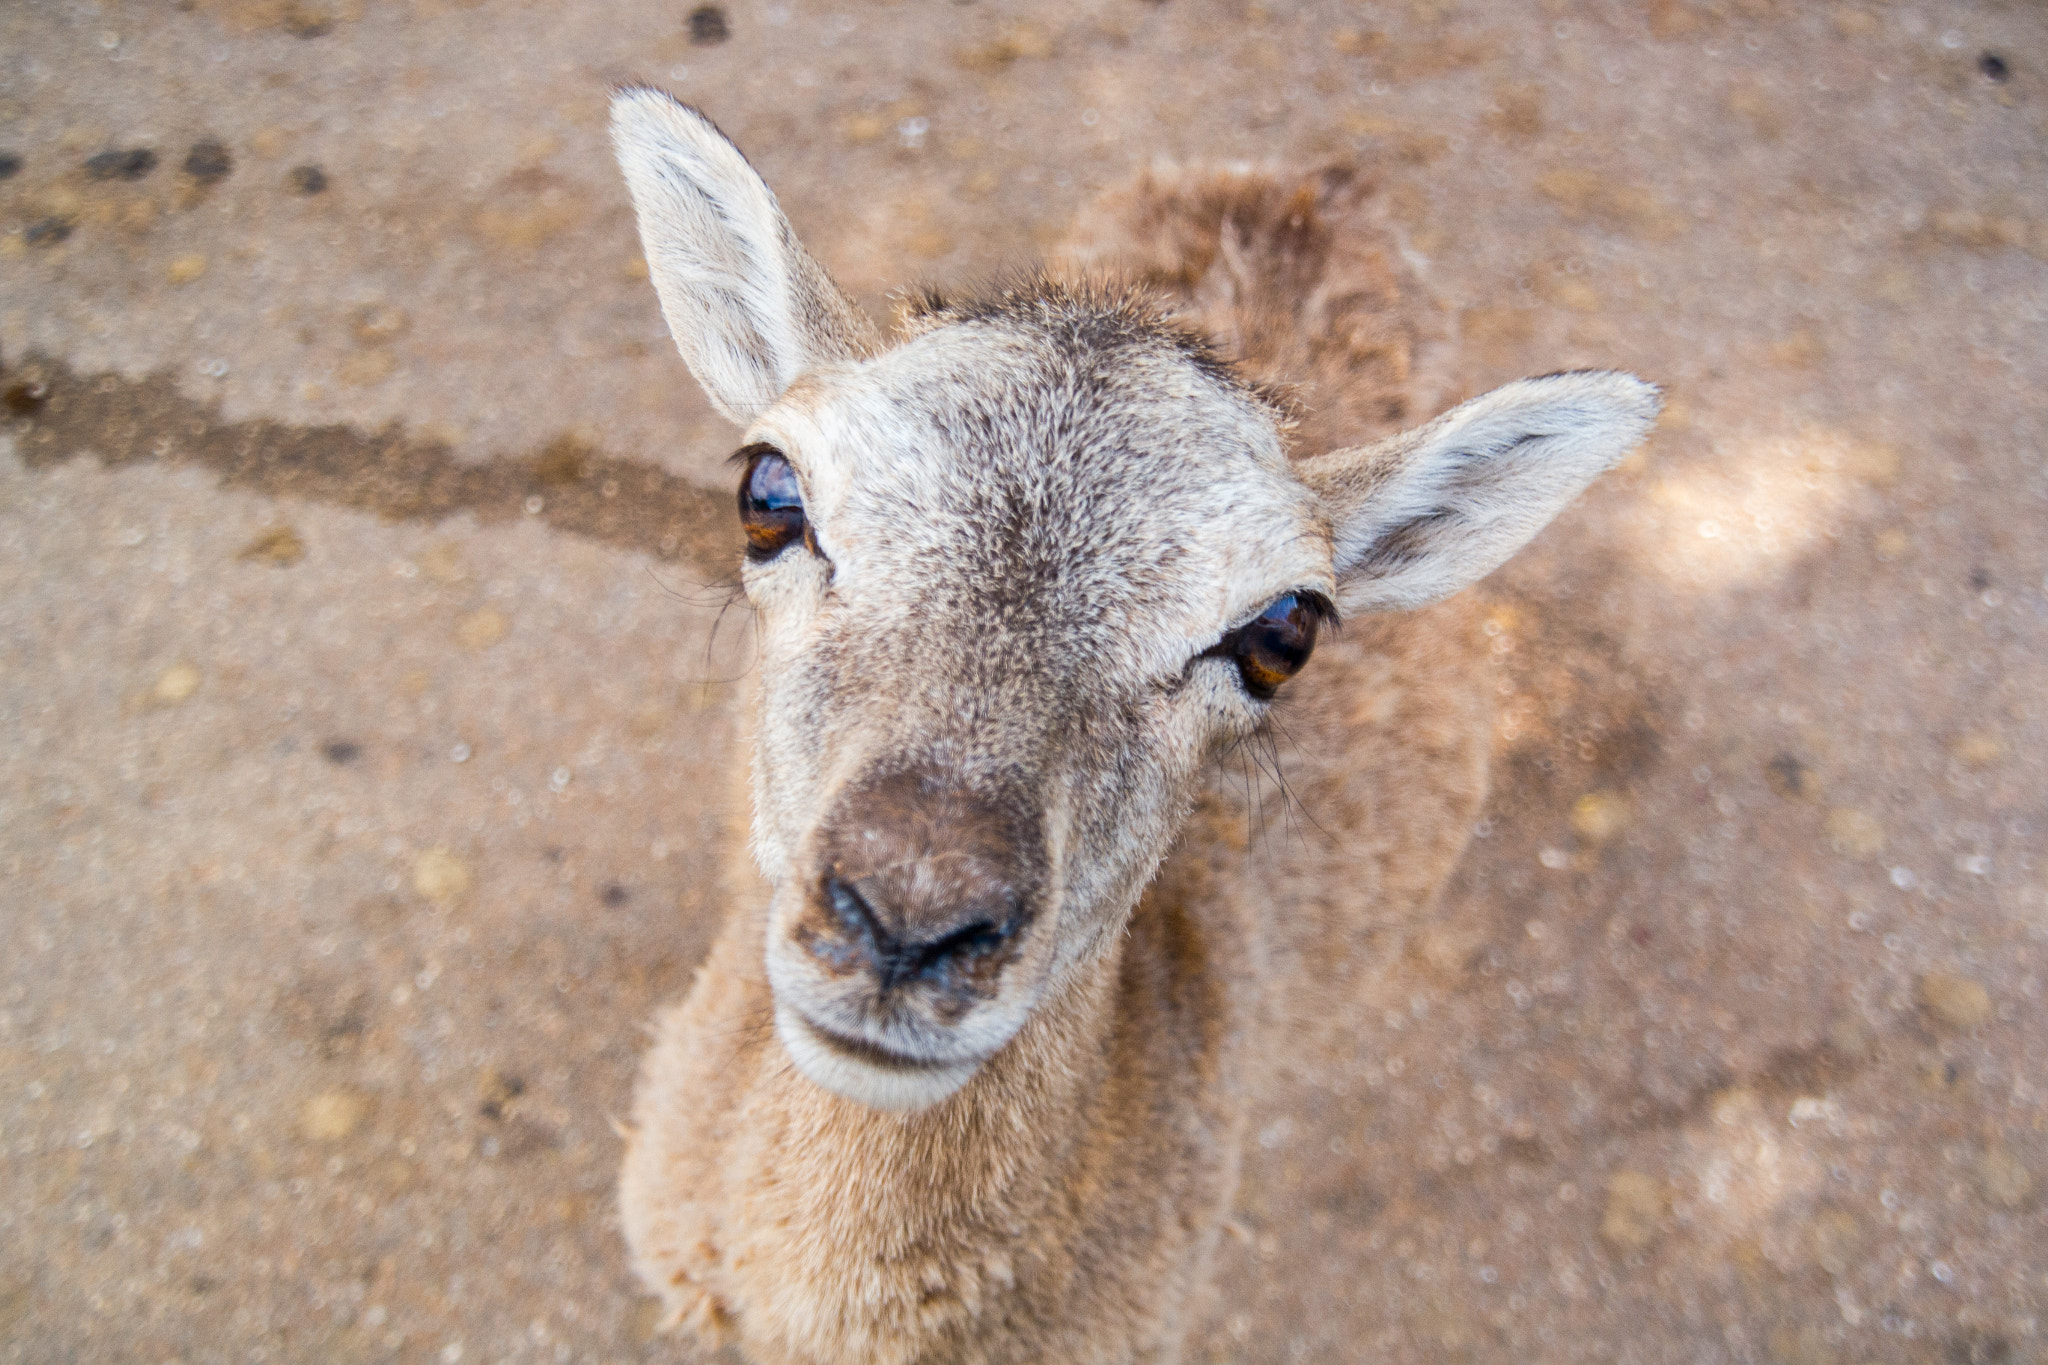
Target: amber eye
1272	646
771	503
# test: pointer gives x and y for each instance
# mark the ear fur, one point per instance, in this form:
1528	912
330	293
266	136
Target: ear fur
748	307
1422	514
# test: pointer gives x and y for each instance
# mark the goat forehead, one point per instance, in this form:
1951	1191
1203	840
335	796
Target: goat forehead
979	468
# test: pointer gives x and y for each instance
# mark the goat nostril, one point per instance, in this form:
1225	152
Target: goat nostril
855	916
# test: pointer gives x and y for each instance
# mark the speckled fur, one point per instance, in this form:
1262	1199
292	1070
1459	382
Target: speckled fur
1125	493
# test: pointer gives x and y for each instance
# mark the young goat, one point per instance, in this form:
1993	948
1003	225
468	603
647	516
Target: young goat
965	1075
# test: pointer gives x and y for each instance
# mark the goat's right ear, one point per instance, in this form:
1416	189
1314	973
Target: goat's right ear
748	307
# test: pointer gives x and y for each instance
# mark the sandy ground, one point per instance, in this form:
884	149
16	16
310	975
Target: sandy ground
361	558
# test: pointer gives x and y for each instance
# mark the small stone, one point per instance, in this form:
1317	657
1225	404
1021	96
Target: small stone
1600	815
1635	1206
1977	749
307	21
334	1115
130	163
209	162
1447	950
308	179
176	686
1994	68
708	26
481	629
185	269
341	752
439	875
47	231
865	127
495	1092
10	165
1837	1240
2005	1181
443	563
279	546
614	896
379	324
366	368
1854	833
1790	778
1956	1001
27	398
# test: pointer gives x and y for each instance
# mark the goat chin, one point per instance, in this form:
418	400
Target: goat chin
902	1088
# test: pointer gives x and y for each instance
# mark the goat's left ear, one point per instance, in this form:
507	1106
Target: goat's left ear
748	307
1425	513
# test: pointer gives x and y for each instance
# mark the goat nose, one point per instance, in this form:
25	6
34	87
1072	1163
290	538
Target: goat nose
903	943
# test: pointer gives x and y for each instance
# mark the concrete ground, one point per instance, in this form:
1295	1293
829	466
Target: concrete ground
363	551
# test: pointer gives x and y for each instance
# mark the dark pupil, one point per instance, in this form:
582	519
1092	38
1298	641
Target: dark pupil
771	505
1272	648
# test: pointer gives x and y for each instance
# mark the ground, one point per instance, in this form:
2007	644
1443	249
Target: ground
363	550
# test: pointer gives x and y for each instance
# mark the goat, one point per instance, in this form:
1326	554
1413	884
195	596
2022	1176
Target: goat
965	1074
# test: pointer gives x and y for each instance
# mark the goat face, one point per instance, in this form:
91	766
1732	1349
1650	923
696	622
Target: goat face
1019	577
993	569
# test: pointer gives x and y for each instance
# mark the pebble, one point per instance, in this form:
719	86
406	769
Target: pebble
365	368
1837	1240
176	685
481	629
1600	815
341	752
308	179
185	269
377	324
1956	1001
10	165
1977	749
1635	1206
209	162
2004	1179
1854	833
334	1115
1788	775
280	545
47	231
1447	950
129	163
439	875
708	26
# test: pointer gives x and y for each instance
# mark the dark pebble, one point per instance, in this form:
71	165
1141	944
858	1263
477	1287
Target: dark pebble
1994	68
302	22
131	163
209	162
10	165
339	751
308	179
47	232
708	26
1980	579
26	399
614	895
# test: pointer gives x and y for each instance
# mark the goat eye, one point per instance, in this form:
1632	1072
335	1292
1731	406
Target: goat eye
771	503
1271	648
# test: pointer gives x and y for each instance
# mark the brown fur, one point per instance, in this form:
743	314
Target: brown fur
1063	1204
